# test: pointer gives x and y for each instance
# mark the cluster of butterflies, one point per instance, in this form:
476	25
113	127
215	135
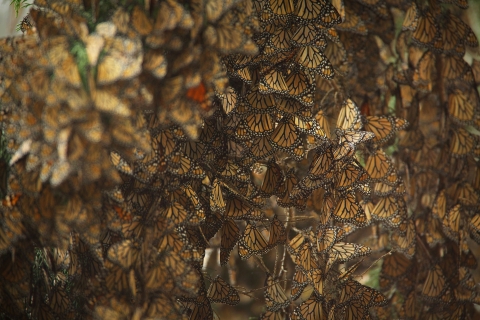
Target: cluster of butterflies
148	141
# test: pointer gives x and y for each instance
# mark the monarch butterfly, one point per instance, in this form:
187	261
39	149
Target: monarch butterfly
289	106
162	305
411	18
327	237
368	297
462	142
386	208
455	68
299	282
451	222
199	308
465	194
311	58
273	178
427	31
252	242
348	210
175	212
124	253
164	143
285	135
308	12
432	229
221	291
339	5
322	163
232	171
217	202
281	38
237	208
119	65
26	25
474	226
117	279
317	278
230	236
348	141
307	185
120	163
141	22
273	82
59	301
286	188
392	185
378	166
228	99
460	31
304	257
281	7
462	105
459	3
180	164
383	127
227	39
269	315
435	285
170	240
349	175
423	76
336	54
259	123
300	83
305	35
275	296
395	266
342	252
278	233
352	23
404	241
260	148
310	309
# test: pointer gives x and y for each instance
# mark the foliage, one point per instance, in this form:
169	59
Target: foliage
334	146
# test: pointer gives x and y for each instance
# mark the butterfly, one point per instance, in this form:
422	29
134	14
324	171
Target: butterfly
277	232
275	296
427	31
386	208
272	179
310	309
462	142
252	242
26	25
455	68
423	76
230	236
312	59
286	134
462	105
435	285
383	127
352	23
342	252
404	239
395	267
348	210
474	227
300	281
221	291
308	12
